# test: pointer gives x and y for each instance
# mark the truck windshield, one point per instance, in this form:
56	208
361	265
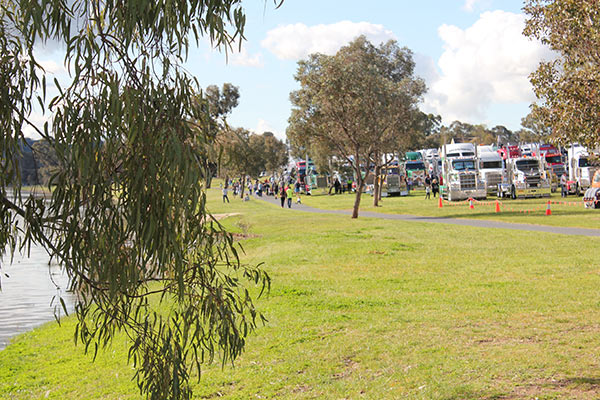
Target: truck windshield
583	162
527	165
553	159
468	154
393	171
414	166
463	165
491	164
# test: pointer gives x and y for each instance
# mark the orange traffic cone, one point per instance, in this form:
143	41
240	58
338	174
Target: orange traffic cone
471	203
440	205
548	210
497	206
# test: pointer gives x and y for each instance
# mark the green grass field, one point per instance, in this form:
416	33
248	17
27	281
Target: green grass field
529	211
374	309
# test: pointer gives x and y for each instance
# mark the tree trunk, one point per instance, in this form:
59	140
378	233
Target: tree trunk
376	186
359	189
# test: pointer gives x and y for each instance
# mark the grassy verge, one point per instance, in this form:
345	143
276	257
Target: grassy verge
375	309
529	211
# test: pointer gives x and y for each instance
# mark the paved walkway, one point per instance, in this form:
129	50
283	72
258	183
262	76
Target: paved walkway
443	220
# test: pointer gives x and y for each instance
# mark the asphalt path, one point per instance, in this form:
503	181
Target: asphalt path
443	220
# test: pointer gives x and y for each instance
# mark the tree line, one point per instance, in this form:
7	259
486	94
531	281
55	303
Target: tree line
37	162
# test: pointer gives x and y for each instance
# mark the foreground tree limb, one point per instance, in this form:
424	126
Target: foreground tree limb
127	215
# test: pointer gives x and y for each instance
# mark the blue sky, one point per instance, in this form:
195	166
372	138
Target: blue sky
471	54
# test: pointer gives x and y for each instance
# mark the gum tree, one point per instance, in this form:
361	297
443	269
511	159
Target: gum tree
127	217
356	102
567	87
221	103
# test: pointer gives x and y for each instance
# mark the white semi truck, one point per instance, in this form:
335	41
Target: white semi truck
580	170
525	177
460	173
491	169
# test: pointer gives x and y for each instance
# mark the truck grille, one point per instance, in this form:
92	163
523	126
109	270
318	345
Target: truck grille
493	179
468	182
533	181
393	180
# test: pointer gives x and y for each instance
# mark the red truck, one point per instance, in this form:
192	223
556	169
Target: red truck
509	152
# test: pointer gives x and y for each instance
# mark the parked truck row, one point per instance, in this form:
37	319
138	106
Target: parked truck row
465	171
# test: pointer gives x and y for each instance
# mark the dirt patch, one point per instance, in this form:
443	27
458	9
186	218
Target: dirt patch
349	366
301	389
219	217
505	340
242	236
376	252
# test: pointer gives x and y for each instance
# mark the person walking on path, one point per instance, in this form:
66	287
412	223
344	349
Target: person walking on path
225	194
282	195
289	193
563	185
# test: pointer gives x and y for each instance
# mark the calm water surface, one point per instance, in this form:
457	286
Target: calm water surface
26	295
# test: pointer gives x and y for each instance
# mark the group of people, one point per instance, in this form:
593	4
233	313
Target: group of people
431	186
286	194
284	190
341	188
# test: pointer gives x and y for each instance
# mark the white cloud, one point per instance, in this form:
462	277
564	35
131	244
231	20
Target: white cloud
486	63
425	67
470	4
264	126
51	67
294	42
244	59
38	119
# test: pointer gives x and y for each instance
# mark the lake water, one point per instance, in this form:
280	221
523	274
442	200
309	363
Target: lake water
26	295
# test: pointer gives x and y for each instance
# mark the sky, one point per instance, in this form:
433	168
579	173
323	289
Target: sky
471	54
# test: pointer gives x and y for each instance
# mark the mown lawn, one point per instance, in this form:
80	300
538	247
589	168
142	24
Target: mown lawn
375	309
529	211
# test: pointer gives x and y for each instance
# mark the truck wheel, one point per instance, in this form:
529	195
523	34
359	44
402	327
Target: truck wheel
513	192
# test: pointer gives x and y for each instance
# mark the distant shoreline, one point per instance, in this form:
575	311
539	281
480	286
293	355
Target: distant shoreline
36	191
